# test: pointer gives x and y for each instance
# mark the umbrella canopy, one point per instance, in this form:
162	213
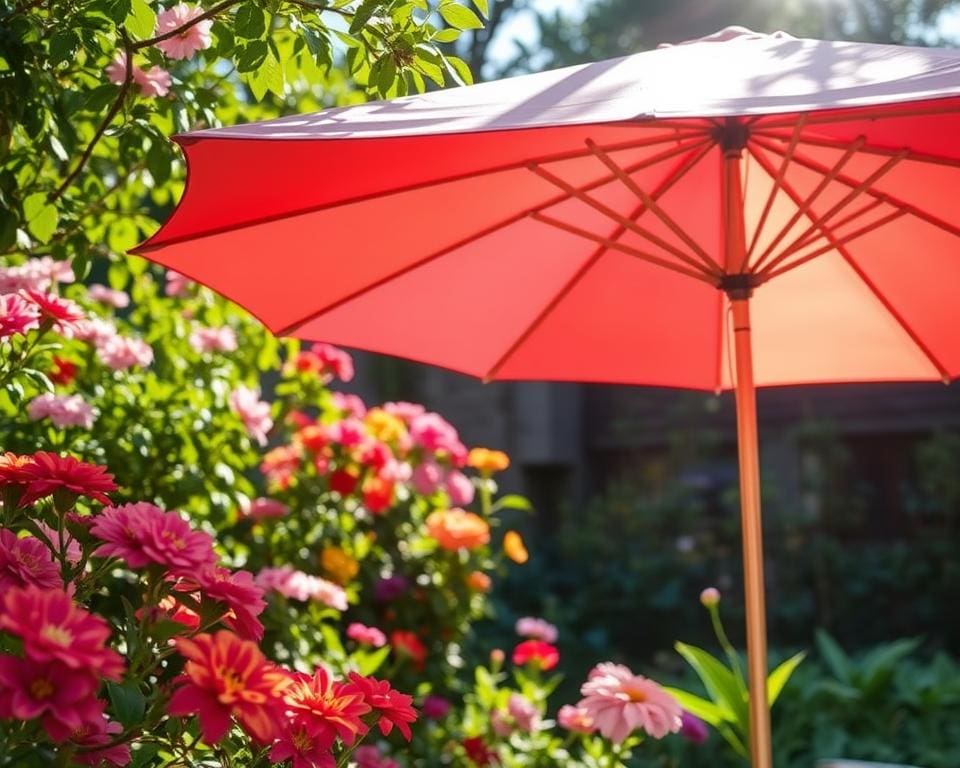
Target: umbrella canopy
742	210
556	220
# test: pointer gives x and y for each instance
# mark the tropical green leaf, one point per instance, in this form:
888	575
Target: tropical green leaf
460	17
719	682
833	655
696	705
779	677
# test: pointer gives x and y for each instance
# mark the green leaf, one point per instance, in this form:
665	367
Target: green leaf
696	705
63	45
483	6
779	677
41	217
331	641
719	682
513	501
460	69
250	21
141	21
833	655
369	663
251	56
128	703
447	35
460	17
117	10
363	13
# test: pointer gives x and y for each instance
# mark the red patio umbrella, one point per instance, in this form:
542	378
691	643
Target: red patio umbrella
742	210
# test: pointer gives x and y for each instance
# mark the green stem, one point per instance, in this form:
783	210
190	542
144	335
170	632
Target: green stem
727	646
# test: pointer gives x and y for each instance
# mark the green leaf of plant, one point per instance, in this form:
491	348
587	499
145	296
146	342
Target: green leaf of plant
447	35
833	655
363	14
128	703
369	663
41	217
250	21
696	705
779	677
460	17
483	6
141	20
513	501
460	69
719	682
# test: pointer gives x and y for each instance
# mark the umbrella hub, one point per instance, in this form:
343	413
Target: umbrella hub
731	136
739	286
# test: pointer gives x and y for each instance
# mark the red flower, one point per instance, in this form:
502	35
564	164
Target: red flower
55	630
228	677
408	645
343	481
64	697
377	494
478	752
303	749
237	590
13	469
63	372
142	534
96	733
325	708
50	473
63	312
538	653
26	561
394	708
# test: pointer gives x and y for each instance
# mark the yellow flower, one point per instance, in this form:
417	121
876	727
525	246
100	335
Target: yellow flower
488	461
384	426
514	547
338	564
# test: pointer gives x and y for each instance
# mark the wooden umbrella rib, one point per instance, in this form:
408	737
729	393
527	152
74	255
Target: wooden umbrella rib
810	200
870	149
697	274
777	181
858	214
619	218
654	207
901	320
944	106
852	195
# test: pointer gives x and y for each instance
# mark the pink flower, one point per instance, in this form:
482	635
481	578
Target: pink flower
62	410
459	488
366	635
122	352
349	432
394	709
155	81
108	296
176	284
96	733
253	412
538	653
435	707
62	696
117	69
501	723
221	339
142	534
369	756
404	411
334	360
576	719
426	478
54	629
304	749
17	316
436	435
94	330
298	585
524	713
35	274
194	38
350	405
242	597
261	508
536	629
620	702
70	544
26	561
63	313
693	729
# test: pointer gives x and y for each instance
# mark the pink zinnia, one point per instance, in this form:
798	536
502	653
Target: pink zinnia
97	733
25	562
576	719
351	405
62	696
94	330
349	432
542	655
64	313
620	702
298	585
122	352
524	712
55	629
242	597
390	706
253	412
404	411
261	508
459	488
536	629
305	749
108	296
62	410
334	360
426	478
17	316
194	38
221	339
142	534
366	635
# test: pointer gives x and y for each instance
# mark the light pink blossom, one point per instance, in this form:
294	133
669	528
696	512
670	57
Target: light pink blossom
459	488
108	296
347	432
351	405
537	629
221	339
71	546
176	284
620	702
62	410
155	81
94	330
194	38
366	635
123	352
426	478
524	712
261	508
26	561
35	274
298	585
576	719
253	412
17	316
404	411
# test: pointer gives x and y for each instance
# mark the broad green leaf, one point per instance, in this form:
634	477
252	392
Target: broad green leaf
513	501
41	216
460	69
833	655
779	677
460	17
369	663
128	703
142	20
363	14
331	640
483	6
447	35
63	45
250	21
696	705
719	682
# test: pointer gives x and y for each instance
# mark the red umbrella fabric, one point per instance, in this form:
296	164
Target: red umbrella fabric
742	210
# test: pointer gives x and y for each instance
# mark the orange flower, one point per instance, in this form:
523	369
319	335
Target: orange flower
384	426
338	565
488	461
514	547
225	676
478	581
456	529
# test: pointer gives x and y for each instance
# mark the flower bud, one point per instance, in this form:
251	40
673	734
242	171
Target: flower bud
497	657
710	597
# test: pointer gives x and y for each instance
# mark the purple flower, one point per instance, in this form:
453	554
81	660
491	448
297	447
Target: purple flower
435	707
390	588
693	729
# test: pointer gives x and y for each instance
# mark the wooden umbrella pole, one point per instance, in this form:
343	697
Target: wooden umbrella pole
752	531
738	284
